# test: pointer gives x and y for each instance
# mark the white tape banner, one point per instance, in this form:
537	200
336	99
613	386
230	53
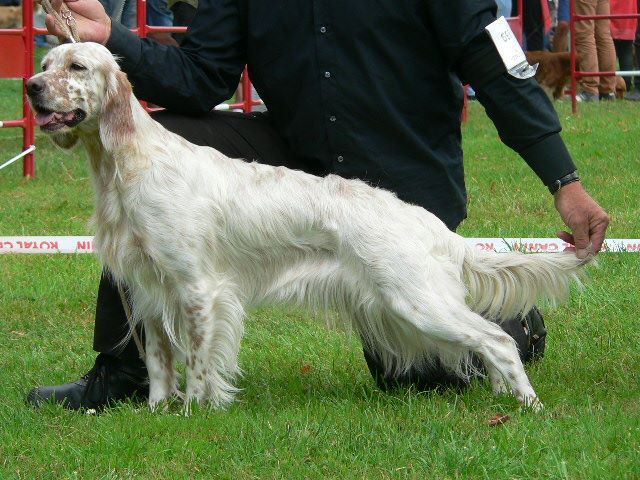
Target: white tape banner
50	244
69	244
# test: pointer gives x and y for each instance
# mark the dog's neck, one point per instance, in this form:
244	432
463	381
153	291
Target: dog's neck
120	154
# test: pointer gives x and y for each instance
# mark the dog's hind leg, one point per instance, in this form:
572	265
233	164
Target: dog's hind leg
452	324
228	315
160	363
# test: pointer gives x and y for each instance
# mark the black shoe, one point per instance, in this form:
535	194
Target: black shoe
530	334
587	97
422	377
633	96
107	382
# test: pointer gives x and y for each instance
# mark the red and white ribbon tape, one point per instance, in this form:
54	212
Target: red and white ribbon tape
48	244
68	244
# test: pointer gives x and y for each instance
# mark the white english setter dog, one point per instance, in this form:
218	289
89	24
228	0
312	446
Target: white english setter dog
198	238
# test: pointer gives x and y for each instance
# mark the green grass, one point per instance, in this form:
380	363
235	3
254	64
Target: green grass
309	408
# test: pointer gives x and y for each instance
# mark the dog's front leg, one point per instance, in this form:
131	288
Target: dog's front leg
198	320
160	363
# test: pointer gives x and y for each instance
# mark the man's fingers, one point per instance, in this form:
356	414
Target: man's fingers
581	237
598	234
566	237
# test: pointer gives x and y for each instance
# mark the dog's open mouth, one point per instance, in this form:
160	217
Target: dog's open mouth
51	121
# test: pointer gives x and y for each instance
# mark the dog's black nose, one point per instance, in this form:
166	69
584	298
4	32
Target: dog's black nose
35	86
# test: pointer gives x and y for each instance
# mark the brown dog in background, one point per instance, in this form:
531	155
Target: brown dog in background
10	17
554	70
621	87
554	73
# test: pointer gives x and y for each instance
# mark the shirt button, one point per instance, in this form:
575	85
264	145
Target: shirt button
323	29
340	158
327	74
332	118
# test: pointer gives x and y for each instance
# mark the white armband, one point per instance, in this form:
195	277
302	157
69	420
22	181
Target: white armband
510	50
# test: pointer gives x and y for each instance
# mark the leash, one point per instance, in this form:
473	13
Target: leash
67	24
64	20
134	333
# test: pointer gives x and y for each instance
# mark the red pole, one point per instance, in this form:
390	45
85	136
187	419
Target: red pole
28	132
246	92
572	30
142	18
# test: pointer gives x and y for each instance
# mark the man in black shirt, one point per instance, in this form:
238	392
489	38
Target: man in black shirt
360	88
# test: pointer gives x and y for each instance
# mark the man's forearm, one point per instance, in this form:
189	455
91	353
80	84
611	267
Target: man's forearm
527	123
169	76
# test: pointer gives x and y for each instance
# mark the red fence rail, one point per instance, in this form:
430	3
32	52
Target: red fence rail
17	62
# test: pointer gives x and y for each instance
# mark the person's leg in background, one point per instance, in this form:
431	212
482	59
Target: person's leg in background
605	51
123	11
183	13
504	8
533	25
129	13
560	42
159	15
624	53
634	94
586	50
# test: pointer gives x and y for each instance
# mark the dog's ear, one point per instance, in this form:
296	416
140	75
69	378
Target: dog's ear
65	140
116	117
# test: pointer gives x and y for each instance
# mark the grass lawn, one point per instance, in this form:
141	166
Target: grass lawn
309	408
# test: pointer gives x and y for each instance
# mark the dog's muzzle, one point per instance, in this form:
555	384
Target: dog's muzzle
51	121
47	119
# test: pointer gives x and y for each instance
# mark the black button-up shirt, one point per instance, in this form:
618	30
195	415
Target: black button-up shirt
365	88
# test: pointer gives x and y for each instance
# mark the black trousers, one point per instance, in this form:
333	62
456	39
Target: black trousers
624	52
533	24
251	137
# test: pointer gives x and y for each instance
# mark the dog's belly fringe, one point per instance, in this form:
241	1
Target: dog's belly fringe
341	292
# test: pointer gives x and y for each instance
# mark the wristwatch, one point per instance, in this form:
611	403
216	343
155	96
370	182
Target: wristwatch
562	181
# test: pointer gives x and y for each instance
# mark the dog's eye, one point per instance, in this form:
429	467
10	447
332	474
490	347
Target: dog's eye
44	66
77	66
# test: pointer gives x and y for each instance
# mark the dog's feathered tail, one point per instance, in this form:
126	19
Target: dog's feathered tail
503	285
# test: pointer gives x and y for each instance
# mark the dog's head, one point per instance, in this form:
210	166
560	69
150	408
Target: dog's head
80	88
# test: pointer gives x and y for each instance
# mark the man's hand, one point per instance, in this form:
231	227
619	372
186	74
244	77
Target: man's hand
93	23
586	219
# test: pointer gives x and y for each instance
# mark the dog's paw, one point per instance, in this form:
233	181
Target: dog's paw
532	403
499	386
166	404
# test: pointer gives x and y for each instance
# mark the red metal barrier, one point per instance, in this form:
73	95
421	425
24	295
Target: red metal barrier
575	74
19	64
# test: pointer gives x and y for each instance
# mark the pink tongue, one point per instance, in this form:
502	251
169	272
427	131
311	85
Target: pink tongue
44	118
67	117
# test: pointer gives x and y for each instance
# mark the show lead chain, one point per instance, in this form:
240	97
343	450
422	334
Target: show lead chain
64	20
